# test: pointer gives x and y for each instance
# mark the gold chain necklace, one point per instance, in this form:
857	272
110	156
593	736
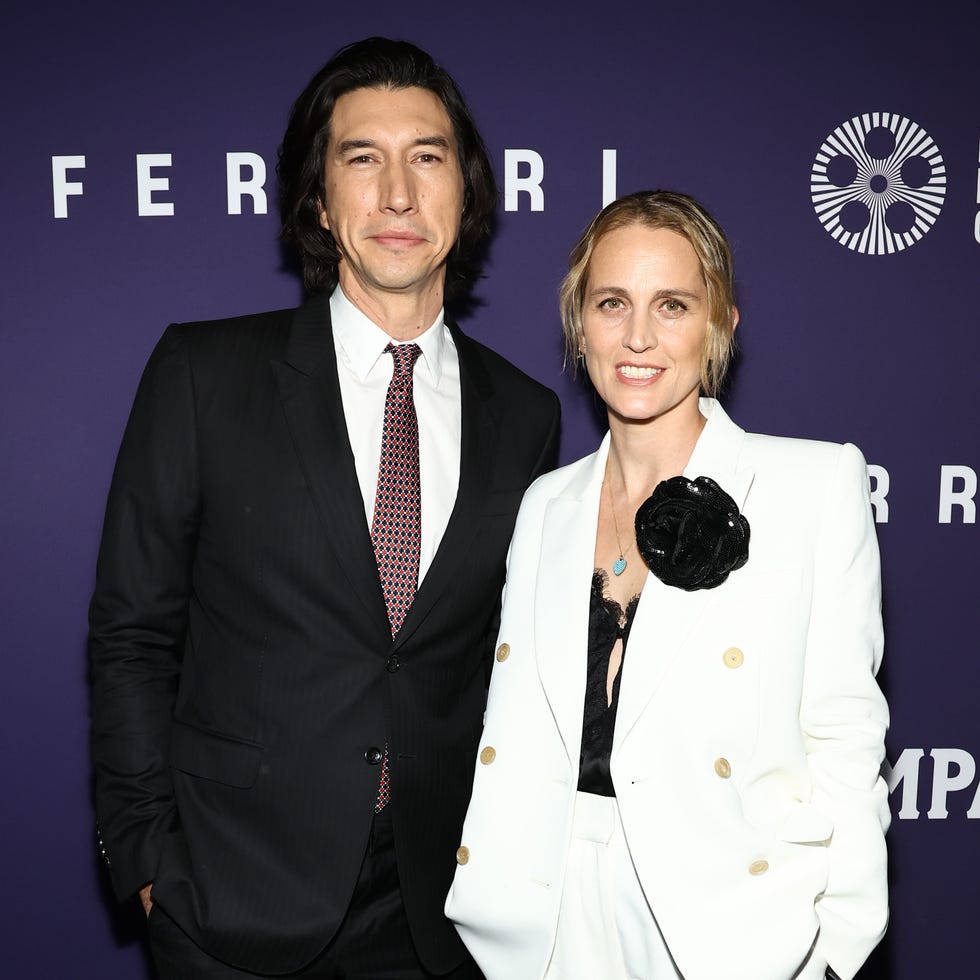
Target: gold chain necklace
619	565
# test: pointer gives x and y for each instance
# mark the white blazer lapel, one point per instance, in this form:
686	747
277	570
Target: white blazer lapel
666	615
564	580
718	451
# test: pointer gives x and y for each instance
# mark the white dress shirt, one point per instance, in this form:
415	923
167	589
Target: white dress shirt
365	371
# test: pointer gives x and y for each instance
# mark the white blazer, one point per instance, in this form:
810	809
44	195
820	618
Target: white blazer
749	734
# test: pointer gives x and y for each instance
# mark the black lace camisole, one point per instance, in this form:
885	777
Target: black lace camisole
607	623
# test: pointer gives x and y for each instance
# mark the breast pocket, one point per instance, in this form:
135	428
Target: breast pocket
747	585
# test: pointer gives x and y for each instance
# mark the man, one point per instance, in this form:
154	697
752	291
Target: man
283	729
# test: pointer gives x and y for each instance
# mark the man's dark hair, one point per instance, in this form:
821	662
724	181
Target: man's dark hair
376	62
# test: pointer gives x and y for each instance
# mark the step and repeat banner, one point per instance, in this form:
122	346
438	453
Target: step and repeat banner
839	146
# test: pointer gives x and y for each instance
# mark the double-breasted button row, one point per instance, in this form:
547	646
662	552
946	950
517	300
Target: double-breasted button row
732	658
487	755
503	652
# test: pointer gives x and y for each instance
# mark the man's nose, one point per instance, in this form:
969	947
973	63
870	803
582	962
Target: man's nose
397	189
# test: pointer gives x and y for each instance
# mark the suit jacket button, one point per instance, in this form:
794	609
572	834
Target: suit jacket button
758	867
462	854
393	663
503	652
373	755
488	755
733	657
722	768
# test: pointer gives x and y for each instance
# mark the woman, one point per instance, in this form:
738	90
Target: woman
679	773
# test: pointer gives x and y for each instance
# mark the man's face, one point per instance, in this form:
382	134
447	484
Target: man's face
394	190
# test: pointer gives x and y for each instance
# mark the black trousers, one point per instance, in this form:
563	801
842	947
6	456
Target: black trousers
373	942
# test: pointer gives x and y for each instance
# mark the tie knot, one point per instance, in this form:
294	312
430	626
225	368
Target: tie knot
404	356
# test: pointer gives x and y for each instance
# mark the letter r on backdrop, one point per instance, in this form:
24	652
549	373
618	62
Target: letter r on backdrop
239	185
529	183
962	496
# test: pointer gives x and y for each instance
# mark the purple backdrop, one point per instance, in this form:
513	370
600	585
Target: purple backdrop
746	108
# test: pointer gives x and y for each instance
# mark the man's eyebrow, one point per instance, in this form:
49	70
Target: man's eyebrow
346	146
440	141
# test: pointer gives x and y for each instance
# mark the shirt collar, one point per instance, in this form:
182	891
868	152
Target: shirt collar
361	342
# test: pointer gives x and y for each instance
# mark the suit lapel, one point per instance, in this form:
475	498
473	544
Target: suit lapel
561	619
666	616
479	431
311	400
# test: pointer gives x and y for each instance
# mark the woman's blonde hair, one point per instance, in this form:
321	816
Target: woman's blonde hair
684	215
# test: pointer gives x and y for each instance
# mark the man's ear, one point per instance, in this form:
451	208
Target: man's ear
324	221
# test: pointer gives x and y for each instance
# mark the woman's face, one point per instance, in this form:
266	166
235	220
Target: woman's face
645	321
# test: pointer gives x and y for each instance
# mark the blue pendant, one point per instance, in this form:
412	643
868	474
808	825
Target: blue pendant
619	566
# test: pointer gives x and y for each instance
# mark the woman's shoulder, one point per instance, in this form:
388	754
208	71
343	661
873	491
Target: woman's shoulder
784	451
558	481
806	461
571	480
805	470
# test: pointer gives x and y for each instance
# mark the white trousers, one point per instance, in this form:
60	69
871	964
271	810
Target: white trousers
606	930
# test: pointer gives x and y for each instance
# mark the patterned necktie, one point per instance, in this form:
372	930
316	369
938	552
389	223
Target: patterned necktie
396	528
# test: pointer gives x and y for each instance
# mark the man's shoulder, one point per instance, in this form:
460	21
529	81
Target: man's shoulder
558	481
232	344
503	375
269	324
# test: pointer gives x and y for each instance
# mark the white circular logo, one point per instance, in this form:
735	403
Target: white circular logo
878	183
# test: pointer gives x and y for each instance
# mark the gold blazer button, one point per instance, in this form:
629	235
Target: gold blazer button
733	657
462	854
488	755
503	652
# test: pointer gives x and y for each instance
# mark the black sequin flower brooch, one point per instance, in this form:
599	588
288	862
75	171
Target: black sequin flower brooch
691	534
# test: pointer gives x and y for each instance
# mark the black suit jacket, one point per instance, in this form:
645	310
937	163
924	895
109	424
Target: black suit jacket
242	662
